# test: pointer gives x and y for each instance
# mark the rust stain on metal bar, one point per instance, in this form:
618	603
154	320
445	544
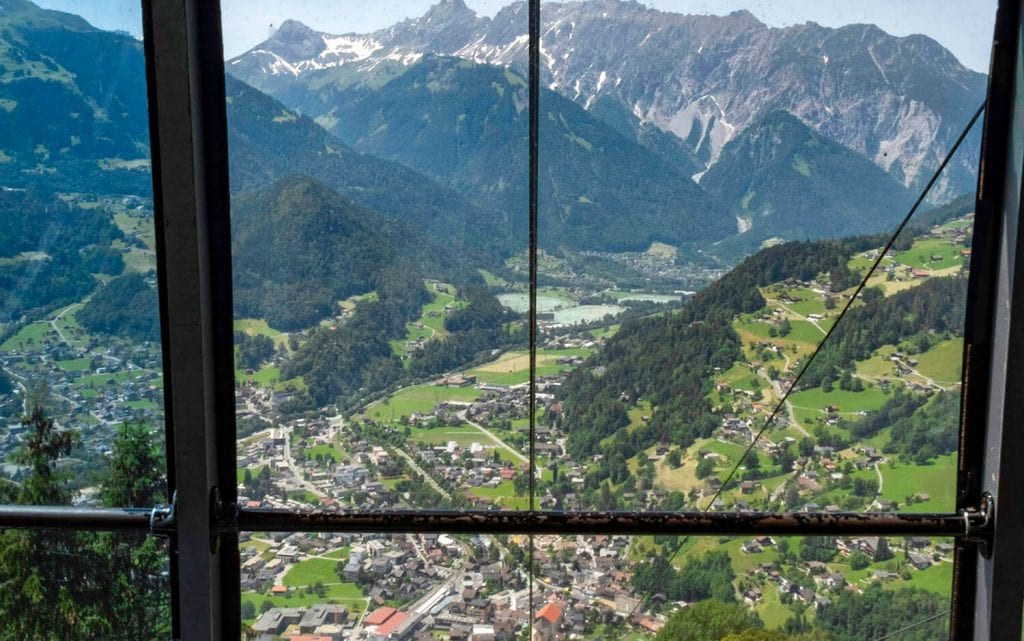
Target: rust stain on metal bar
696	523
26	516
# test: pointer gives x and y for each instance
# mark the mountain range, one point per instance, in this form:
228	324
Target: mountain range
425	124
465	125
898	101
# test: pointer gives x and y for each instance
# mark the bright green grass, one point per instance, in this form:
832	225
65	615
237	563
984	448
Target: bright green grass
811	302
256	326
340	553
871	398
504	490
513	502
463	435
75	365
943	361
730	451
937	578
31	334
267	375
742	562
937	480
255	471
860	263
738	377
805	332
959	223
758	329
259	546
518	377
304	496
342	593
324	451
312	571
419	398
437	306
837	495
878	365
507	378
102	379
920	253
771	610
772	482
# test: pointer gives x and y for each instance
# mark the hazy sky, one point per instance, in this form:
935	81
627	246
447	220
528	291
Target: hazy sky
963	26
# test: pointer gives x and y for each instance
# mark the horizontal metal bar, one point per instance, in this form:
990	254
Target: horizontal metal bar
499	522
76	518
695	523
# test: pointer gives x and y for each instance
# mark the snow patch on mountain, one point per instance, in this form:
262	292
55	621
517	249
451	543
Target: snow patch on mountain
349	48
702	78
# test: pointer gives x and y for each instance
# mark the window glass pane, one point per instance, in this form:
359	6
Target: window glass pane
380	206
79	585
765	588
680	153
79	318
347	586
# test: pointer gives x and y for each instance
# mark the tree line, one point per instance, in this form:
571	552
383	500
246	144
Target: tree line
66	584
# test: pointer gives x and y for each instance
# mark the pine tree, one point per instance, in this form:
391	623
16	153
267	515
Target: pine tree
135	561
50	593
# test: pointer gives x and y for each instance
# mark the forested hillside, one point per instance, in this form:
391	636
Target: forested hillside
269	142
49	250
299	247
779	178
343	364
671	362
126	306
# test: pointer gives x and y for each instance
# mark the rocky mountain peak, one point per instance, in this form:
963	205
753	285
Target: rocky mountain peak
448	10
700	78
297	40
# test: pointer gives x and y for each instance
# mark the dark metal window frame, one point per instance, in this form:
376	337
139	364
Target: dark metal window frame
188	128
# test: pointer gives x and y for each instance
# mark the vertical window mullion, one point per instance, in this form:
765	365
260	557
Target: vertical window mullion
987	592
188	122
533	78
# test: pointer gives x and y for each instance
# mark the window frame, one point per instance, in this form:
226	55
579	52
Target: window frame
188	127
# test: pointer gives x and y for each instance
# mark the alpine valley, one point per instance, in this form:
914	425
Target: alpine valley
711	190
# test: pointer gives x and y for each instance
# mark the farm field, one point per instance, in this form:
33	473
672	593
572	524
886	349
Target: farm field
921	254
847	402
418	398
943	361
31	334
513	368
937	480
